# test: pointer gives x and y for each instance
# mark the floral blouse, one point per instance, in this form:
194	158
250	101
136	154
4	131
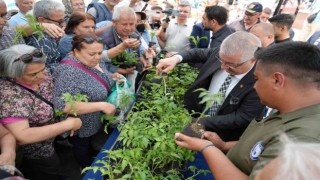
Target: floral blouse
18	103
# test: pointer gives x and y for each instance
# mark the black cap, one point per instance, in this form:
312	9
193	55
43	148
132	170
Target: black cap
142	14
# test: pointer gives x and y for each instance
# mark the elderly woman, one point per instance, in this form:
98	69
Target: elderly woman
79	23
26	91
84	72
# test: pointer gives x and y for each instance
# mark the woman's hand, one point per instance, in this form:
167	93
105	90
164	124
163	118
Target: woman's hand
118	77
74	124
7	158
108	108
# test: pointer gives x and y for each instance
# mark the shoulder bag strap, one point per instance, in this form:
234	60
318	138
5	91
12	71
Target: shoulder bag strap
32	92
80	66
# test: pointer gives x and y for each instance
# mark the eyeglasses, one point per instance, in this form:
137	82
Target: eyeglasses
78	5
5	16
28	58
90	40
231	65
60	21
250	14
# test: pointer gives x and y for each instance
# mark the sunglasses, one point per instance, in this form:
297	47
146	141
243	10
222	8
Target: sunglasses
91	40
5	16
60	22
28	58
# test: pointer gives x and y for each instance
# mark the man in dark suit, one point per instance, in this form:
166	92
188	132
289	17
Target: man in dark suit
235	62
213	26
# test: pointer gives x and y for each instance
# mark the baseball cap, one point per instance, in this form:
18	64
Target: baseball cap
142	14
156	7
254	7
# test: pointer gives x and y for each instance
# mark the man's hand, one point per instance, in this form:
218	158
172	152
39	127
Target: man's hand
131	43
170	54
215	139
167	64
147	65
154	48
149	53
191	143
126	71
53	30
164	25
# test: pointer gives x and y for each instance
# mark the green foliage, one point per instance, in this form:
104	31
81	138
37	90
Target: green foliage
208	99
147	147
153	35
197	39
129	58
71	100
33	24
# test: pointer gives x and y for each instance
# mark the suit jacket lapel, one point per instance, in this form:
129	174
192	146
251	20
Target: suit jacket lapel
245	83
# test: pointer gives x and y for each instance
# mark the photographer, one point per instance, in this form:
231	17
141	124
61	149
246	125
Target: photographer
173	35
155	17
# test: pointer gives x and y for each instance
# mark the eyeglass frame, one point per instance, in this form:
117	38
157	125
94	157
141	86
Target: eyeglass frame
60	22
34	54
250	14
234	66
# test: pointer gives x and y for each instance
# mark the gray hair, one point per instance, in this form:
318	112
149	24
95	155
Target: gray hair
123	11
44	8
240	42
11	69
298	160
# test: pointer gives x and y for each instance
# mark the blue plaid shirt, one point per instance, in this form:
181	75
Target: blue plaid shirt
49	46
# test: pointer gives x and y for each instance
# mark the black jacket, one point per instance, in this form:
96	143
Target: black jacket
240	106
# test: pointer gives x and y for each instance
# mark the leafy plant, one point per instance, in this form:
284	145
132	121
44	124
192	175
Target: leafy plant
145	146
207	99
126	58
33	24
153	35
71	100
197	39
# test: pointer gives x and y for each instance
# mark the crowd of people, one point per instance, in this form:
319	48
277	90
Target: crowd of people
268	82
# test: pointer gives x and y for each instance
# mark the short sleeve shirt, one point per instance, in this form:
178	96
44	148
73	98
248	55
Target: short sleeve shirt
177	36
259	144
17	102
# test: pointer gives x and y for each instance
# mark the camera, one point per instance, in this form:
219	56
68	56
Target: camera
171	12
156	25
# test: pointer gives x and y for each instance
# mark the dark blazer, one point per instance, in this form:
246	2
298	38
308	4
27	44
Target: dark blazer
198	30
240	106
